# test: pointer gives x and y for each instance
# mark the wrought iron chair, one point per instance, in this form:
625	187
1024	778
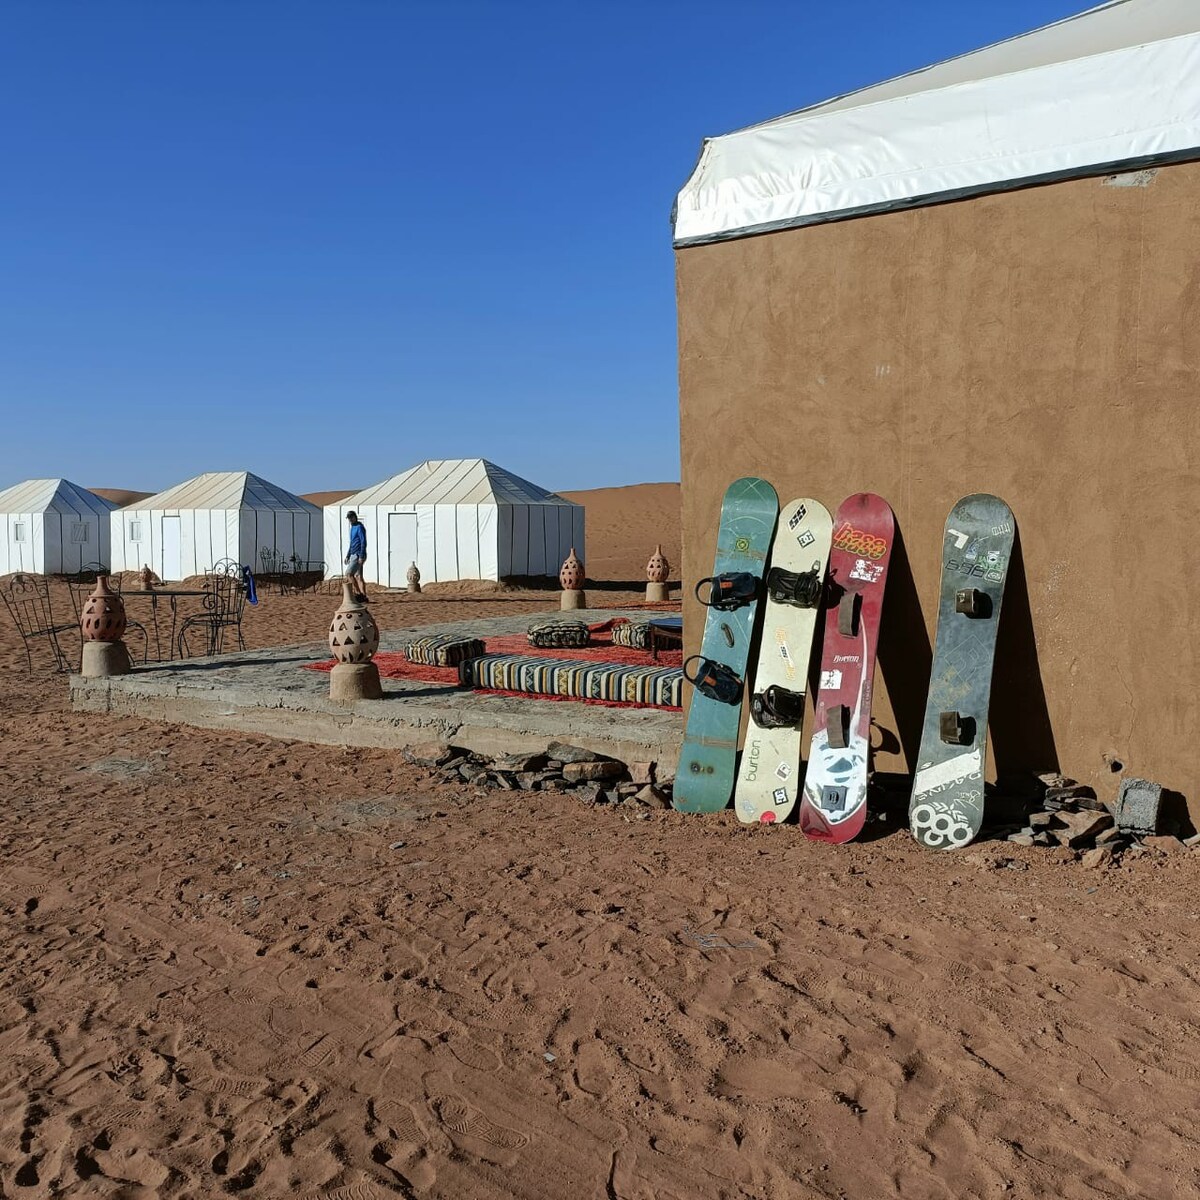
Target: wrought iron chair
27	598
80	586
223	604
305	575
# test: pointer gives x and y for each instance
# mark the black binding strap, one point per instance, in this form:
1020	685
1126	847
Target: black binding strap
777	708
729	591
837	726
714	680
801	589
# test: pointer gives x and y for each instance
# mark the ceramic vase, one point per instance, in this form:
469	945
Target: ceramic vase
571	575
103	617
658	569
353	634
413	578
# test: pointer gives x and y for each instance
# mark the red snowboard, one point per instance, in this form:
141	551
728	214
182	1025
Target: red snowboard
834	805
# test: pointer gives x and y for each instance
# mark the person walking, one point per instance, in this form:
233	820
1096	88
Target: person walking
356	557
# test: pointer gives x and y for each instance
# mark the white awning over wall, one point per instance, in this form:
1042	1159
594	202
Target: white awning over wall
1114	88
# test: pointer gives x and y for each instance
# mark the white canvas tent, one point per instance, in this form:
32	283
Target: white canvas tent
225	514
1112	89
460	518
53	527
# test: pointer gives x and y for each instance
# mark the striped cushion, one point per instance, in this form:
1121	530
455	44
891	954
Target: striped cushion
634	634
443	651
562	635
661	687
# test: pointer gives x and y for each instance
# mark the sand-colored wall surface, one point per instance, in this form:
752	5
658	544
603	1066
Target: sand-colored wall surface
1043	345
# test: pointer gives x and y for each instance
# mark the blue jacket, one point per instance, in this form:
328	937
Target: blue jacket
358	540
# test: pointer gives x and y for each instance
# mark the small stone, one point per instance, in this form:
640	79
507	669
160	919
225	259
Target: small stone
651	797
506	781
1100	857
628	789
1164	844
1024	838
589	793
641	773
397	845
1053	780
430	754
520	762
577	772
1043	839
564	753
556	783
527	781
1194	840
549	1057
472	771
1139	806
612	797
1080	827
1109	837
1071	791
1043	820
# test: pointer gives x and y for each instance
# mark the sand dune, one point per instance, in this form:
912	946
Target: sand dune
625	523
320	499
121	497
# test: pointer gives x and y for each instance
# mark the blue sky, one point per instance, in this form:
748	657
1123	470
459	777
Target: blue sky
326	241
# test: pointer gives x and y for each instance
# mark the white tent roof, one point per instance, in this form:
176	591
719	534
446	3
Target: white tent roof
52	495
226	490
1115	87
454	481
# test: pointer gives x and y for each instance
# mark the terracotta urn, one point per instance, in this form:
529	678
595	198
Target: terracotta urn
353	634
658	569
571	575
147	578
103	617
413	577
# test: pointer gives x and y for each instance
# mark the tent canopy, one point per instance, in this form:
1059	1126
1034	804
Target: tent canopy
463	518
51	526
1113	88
190	527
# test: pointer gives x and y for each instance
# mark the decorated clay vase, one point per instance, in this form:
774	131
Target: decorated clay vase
353	634
147	578
413	578
571	575
658	569
103	617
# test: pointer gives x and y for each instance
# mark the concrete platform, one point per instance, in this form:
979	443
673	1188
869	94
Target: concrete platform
268	692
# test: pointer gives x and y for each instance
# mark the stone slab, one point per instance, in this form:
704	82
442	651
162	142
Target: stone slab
269	692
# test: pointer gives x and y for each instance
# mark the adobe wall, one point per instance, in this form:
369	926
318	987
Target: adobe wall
1043	345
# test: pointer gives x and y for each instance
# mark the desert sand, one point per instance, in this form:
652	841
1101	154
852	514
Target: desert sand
241	966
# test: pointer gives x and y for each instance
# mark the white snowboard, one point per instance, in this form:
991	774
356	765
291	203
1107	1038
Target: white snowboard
769	773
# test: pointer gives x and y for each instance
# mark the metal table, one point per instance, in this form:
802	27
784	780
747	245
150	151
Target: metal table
172	594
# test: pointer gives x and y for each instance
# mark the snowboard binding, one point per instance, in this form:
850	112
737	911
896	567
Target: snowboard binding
801	589
714	680
971	602
730	591
956	730
777	708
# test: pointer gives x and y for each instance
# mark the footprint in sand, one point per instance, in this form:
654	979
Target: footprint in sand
401	1120
460	1118
219	1084
475	1056
318	1052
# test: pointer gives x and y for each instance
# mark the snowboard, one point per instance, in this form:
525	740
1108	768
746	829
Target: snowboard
769	773
834	805
946	809
704	779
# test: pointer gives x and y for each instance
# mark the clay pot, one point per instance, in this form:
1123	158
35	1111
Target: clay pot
413	578
103	617
571	575
353	634
147	578
658	569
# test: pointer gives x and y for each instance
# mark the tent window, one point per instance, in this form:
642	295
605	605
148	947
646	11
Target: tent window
18	531
135	531
79	534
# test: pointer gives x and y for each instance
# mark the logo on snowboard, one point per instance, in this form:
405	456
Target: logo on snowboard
856	541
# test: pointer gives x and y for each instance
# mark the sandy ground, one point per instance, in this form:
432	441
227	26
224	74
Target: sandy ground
240	966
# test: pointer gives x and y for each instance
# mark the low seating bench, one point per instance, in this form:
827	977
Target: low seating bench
658	686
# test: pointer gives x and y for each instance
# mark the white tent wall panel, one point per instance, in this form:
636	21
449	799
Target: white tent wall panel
445	538
466	538
488	539
505	525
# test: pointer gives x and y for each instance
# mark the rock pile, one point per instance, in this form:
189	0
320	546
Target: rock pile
1071	815
586	775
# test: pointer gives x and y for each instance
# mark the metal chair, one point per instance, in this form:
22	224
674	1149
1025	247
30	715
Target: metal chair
80	584
305	575
27	598
223	604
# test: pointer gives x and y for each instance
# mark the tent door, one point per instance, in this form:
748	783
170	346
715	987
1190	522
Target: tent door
172	568
402	546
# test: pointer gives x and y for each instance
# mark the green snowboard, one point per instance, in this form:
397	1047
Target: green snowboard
707	762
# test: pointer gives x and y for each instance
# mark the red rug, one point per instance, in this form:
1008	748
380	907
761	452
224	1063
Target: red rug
393	664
